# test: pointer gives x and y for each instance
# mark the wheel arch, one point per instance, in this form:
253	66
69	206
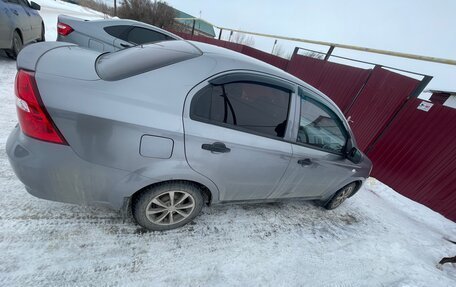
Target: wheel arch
126	209
205	191
358	182
20	34
11	38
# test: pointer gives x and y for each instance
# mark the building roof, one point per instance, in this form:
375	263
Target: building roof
200	24
442	92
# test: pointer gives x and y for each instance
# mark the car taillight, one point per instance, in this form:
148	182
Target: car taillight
64	29
34	120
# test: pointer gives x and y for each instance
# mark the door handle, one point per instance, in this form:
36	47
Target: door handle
125	45
15	12
216	147
305	161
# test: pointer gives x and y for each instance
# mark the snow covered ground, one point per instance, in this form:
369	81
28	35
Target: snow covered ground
377	238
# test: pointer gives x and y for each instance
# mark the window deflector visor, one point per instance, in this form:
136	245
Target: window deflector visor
255	78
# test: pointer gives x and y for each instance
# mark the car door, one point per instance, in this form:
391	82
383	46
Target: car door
33	18
6	25
318	164
235	134
20	19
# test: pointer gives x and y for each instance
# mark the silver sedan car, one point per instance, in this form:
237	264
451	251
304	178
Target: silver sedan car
160	130
20	24
108	35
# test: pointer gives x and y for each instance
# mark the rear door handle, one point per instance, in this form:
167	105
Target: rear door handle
305	161
15	12
216	147
125	45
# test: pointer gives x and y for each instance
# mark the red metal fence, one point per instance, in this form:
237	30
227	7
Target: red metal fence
417	156
380	99
412	150
340	82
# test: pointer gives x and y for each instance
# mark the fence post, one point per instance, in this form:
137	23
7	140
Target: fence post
220	34
328	54
273	46
420	88
295	52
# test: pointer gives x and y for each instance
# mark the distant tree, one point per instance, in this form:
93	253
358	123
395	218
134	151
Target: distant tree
97	5
314	55
157	13
279	51
241	38
163	15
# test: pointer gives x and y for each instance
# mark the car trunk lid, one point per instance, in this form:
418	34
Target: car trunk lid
59	58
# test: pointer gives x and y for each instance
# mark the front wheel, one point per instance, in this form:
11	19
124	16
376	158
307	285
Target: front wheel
341	196
167	206
17	46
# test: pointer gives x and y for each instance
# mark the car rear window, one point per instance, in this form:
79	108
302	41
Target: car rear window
141	59
142	36
118	31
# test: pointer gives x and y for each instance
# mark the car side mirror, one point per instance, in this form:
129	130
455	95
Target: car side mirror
35	6
354	155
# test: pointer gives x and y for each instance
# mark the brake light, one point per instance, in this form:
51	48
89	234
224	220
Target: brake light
64	29
34	120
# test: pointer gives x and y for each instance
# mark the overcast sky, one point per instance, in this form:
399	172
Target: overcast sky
425	27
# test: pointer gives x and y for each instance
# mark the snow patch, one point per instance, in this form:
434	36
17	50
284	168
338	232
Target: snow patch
377	238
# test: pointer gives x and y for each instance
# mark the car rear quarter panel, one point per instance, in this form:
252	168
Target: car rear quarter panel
104	121
84	31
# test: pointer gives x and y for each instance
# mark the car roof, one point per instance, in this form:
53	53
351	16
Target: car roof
250	63
136	60
255	64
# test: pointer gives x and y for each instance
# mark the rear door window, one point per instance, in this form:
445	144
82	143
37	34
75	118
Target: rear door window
251	107
141	36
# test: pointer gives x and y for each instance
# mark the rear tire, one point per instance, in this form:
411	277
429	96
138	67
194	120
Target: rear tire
167	206
17	46
340	196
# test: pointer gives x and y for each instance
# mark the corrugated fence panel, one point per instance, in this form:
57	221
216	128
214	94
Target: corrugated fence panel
339	82
342	83
306	68
380	99
416	156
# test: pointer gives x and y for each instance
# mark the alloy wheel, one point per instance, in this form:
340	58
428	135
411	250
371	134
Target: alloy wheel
343	195
170	207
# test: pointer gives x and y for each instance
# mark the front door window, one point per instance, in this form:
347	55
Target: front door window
319	127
